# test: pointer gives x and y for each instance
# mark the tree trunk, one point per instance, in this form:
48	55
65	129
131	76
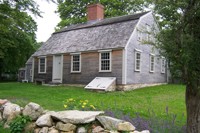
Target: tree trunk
193	108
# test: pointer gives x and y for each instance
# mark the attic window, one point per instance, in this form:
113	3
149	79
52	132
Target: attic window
76	62
105	61
42	65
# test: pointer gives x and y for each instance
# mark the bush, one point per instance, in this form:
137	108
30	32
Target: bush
19	123
78	104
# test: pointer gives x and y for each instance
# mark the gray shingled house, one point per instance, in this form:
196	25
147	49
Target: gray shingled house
111	47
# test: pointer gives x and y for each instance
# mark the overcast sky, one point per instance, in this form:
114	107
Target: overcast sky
49	21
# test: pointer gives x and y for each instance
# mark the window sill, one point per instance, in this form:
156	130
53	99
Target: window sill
76	72
137	70
151	71
105	71
41	72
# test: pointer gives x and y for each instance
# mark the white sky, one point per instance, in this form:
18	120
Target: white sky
47	24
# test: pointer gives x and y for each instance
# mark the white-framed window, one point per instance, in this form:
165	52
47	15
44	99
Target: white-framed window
105	63
76	62
137	60
163	64
42	65
152	63
30	72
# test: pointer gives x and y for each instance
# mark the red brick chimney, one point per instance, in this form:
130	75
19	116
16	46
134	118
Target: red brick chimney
95	12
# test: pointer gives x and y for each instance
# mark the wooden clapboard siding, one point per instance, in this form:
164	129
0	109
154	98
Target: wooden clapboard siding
90	68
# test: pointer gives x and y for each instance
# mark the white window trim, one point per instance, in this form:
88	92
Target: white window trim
163	59
151	55
45	65
72	54
110	54
135	52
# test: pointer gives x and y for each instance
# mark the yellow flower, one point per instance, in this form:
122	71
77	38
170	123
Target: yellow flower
84	103
83	106
92	106
65	106
71	99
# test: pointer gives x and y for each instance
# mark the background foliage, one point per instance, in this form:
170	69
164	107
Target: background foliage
74	11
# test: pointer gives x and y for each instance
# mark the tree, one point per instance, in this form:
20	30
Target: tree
17	33
74	11
180	42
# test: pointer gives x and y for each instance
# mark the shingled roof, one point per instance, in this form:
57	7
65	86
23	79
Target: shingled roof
111	33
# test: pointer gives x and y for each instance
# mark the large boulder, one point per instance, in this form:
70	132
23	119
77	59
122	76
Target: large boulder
115	124
11	111
33	110
65	127
75	116
44	121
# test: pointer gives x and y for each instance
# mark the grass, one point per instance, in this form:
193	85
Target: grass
155	98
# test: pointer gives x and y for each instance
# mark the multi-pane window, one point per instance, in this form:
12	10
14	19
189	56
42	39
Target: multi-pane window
163	61
152	63
42	65
137	60
105	61
76	63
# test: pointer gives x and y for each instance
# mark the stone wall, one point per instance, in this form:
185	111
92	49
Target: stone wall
69	121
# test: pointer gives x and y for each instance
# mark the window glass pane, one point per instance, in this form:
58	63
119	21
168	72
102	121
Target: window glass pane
75	63
42	64
163	65
151	63
105	61
137	61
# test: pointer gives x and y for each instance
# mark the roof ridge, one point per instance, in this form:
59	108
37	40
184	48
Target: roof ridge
103	22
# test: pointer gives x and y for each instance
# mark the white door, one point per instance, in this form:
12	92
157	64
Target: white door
57	68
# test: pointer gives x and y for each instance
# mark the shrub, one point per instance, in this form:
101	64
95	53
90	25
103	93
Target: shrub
77	104
18	124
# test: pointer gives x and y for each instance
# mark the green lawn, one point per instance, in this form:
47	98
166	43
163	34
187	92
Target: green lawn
140	101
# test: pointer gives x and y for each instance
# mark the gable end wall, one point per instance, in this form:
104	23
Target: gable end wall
144	76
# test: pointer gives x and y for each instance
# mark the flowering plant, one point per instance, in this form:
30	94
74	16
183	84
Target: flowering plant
77	104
